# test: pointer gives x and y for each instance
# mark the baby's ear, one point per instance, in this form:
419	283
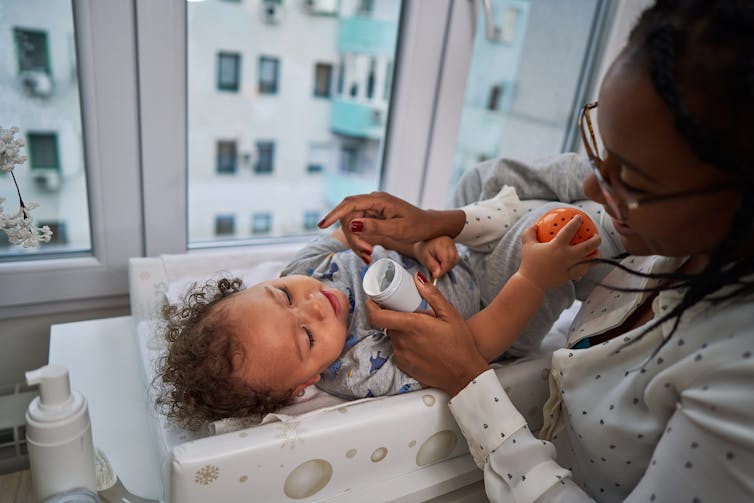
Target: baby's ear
301	387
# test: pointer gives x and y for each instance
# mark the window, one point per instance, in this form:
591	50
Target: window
349	157
496	93
31	50
225	225
261	223
322	80
311	219
268	75
43	151
228	71
227	158
83	154
371	77
265	157
365	7
314	168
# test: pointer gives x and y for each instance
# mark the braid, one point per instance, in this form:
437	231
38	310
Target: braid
700	56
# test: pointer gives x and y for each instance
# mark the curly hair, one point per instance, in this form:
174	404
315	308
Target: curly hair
700	57
196	374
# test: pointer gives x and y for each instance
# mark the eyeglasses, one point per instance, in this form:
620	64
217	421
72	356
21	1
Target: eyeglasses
621	205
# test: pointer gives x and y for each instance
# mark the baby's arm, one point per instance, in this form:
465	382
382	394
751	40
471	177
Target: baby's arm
543	266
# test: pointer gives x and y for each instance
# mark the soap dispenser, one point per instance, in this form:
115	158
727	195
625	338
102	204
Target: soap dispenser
58	435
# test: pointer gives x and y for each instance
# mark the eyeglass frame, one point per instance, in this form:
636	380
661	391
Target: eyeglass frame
603	178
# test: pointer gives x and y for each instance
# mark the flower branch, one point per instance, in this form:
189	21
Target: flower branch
19	227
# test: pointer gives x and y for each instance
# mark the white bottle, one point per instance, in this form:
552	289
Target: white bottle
58	435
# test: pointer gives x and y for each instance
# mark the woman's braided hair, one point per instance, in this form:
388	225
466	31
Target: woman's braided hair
700	56
195	377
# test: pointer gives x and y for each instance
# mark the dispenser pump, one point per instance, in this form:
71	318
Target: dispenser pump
54	385
58	435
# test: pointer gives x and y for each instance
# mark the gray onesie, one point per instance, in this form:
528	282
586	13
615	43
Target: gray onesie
365	368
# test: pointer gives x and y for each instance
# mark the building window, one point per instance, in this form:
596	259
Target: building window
261	223
228	71
31	50
227	157
349	157
341	75
314	168
265	157
496	95
311	219
269	68
43	151
371	77
225	225
365	7
322	80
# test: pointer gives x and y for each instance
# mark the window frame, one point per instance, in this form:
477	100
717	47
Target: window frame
106	60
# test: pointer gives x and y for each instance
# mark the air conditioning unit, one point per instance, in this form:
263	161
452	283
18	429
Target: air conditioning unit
272	11
47	180
321	7
36	83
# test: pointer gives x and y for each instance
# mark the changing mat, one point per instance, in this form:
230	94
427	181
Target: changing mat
320	448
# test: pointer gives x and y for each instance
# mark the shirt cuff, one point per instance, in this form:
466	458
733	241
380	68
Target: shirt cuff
488	220
485	415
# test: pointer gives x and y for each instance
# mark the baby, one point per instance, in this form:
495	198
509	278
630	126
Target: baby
236	351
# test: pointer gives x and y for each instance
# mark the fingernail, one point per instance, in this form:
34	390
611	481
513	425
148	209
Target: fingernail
367	259
321	222
357	226
421	277
368	252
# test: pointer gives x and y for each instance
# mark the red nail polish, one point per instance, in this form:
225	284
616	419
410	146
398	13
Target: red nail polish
368	252
321	222
357	226
421	277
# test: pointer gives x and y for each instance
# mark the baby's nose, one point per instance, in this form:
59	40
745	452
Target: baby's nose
315	307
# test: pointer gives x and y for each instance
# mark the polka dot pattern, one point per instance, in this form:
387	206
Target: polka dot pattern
621	418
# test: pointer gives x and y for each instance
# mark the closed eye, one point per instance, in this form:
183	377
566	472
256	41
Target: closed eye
287	295
310	336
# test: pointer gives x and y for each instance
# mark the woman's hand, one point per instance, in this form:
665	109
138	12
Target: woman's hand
552	264
439	255
370	219
438	351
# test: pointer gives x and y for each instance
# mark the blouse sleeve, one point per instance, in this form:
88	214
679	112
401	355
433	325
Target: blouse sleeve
518	467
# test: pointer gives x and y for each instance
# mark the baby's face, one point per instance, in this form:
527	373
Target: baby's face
291	330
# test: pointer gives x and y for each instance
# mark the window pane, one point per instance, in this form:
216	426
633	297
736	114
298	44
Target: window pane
40	95
228	71
523	80
297	153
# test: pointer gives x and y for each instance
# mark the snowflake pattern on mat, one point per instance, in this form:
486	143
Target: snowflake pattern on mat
206	475
291	433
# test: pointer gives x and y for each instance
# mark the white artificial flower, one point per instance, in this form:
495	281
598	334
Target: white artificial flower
9	149
19	227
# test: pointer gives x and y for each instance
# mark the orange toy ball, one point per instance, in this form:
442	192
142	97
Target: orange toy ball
554	220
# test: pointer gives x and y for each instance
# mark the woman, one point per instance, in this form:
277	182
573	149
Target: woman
656	404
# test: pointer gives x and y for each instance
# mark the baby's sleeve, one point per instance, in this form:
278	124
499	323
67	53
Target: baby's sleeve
312	255
488	220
